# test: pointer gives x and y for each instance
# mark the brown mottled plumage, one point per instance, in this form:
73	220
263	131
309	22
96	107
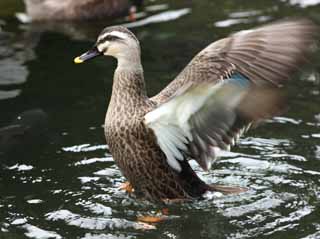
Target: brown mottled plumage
40	10
228	85
141	161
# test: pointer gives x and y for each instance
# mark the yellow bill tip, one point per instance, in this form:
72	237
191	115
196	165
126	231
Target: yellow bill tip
77	60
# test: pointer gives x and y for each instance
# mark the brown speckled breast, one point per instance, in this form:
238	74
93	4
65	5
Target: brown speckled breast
133	146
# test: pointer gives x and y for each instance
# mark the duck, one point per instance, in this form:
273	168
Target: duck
229	86
75	10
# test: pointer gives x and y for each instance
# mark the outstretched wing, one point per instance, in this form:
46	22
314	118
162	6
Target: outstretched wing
226	86
208	117
267	54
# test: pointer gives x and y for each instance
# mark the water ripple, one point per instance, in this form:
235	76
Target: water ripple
95	223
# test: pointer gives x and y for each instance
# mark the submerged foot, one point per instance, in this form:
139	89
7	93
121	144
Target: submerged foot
226	189
161	215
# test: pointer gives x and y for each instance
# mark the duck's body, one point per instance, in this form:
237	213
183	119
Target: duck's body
43	10
228	85
134	146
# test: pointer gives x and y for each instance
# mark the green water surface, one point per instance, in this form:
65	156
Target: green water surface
64	184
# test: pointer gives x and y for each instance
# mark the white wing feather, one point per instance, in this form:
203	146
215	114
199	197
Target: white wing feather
171	121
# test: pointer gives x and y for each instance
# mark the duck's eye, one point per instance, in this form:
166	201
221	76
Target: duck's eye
112	38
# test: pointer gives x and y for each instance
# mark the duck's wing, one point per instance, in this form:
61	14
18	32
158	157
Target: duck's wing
228	85
206	117
267	54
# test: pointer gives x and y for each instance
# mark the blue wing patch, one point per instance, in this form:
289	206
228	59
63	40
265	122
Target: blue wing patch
239	80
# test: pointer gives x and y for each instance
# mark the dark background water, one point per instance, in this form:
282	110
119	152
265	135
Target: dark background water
58	181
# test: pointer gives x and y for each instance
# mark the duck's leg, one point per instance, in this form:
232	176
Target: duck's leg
226	189
160	216
163	214
127	187
132	14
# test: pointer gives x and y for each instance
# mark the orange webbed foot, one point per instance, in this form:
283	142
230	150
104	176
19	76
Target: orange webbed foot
127	187
161	215
132	14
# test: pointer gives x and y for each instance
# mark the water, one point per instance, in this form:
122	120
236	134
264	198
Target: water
64	184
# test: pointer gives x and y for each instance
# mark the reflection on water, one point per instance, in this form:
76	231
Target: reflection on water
242	17
69	187
305	3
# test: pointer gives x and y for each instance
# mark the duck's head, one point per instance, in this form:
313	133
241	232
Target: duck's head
116	41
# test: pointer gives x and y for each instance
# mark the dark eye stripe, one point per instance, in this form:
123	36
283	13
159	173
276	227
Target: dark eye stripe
108	38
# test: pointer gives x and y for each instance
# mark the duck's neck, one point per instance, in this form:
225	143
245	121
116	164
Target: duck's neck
128	84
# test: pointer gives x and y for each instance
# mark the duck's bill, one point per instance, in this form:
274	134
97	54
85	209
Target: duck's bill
87	56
